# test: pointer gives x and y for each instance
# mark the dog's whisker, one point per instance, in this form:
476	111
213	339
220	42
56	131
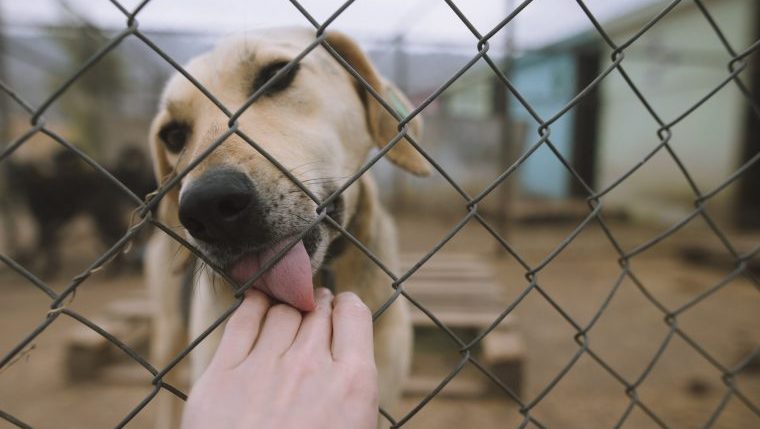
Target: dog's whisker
214	277
321	180
305	164
176	253
197	270
176	228
305	179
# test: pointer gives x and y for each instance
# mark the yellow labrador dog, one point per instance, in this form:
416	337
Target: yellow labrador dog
240	210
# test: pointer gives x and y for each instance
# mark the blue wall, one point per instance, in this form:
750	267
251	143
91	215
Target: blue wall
548	83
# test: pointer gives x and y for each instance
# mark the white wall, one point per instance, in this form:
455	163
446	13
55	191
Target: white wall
674	64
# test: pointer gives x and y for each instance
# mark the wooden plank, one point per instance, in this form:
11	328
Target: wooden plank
137	308
125	373
448	261
87	351
459	319
461	289
501	345
458	387
443	255
504	353
466	266
129	372
444	287
456	261
450	277
464	303
422	275
476	298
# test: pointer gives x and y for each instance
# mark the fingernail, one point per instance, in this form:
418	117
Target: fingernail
256	294
323	292
349	296
251	292
324	296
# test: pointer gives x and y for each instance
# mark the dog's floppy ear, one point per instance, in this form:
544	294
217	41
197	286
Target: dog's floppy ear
382	125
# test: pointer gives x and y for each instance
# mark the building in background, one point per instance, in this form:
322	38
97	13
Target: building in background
674	64
547	79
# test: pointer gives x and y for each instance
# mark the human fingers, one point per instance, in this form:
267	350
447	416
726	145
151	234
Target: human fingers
315	331
280	327
241	330
352	329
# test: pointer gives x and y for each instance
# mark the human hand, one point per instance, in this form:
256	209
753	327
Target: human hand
277	368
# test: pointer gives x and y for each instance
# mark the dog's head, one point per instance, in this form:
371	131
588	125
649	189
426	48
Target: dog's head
316	120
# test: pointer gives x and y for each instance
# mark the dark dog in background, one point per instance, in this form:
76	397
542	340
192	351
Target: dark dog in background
55	193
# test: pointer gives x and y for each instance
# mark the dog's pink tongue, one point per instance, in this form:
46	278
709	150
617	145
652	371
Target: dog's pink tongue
289	280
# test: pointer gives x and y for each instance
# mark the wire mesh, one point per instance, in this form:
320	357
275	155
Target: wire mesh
595	197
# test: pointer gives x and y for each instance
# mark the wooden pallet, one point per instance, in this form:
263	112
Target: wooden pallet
463	292
90	355
460	289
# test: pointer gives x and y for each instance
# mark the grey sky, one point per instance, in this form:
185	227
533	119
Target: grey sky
425	21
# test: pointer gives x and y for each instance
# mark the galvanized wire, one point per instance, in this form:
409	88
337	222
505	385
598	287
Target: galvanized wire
735	66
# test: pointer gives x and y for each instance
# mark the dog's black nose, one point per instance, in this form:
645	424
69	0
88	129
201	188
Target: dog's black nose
220	207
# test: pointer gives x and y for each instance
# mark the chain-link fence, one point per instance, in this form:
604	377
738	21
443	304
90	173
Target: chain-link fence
741	59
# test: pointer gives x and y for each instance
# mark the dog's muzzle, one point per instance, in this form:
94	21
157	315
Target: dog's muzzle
222	207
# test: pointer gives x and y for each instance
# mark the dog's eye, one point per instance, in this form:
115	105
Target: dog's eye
282	82
174	135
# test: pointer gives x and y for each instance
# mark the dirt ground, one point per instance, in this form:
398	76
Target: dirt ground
683	388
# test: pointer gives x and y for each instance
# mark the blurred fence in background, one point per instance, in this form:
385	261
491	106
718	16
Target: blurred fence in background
591	119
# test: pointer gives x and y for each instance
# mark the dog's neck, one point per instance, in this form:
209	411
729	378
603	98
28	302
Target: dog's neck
346	264
357	227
